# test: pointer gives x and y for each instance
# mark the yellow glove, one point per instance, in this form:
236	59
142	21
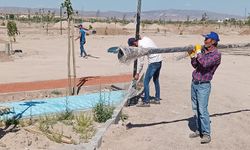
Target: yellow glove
197	48
192	53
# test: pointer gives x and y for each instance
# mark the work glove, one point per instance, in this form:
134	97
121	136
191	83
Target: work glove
192	53
197	48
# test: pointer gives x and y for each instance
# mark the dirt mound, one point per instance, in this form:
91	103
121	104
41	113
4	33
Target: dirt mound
58	25
245	32
130	26
111	31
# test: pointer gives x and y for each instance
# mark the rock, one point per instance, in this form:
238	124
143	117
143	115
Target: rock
29	143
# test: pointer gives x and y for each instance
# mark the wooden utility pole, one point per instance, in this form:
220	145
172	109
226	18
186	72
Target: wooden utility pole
137	32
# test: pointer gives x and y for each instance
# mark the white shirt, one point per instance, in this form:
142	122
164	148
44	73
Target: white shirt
146	42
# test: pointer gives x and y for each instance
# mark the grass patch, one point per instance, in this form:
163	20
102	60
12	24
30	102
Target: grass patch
84	126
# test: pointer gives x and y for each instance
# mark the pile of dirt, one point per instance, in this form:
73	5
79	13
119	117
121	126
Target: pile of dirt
245	32
130	26
111	31
58	25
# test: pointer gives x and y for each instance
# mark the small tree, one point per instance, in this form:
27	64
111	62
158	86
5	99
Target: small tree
12	31
69	9
49	18
70	12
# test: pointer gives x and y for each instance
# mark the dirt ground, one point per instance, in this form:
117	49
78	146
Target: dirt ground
167	126
164	126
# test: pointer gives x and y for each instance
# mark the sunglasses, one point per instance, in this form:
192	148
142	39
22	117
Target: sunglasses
206	39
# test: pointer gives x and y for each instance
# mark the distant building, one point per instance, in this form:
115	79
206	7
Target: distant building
23	16
220	21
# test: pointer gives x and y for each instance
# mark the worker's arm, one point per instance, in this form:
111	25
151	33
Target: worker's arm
79	36
140	64
194	62
196	50
208	61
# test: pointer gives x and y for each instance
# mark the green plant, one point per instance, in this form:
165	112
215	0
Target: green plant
45	124
248	21
90	27
12	30
54	137
84	126
66	117
102	112
68	5
11	121
49	18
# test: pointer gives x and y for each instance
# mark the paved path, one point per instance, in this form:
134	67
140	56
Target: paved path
62	83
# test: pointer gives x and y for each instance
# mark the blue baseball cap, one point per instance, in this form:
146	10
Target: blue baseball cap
131	41
212	35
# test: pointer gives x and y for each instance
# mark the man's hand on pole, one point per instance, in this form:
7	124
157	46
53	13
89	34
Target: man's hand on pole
196	50
136	77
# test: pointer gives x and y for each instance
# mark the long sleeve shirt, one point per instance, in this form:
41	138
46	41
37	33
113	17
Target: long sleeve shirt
146	42
205	65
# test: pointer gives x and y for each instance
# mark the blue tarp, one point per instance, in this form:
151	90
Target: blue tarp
37	107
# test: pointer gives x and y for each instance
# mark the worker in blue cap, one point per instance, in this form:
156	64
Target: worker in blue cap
205	60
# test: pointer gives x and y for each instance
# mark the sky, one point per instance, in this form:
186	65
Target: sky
234	7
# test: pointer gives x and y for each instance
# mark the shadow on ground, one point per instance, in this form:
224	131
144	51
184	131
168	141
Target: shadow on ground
191	120
83	80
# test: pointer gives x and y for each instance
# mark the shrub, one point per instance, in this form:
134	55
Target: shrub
102	112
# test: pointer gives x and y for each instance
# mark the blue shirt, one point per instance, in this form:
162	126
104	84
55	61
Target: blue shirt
83	34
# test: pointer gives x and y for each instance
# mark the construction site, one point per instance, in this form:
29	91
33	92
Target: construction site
52	98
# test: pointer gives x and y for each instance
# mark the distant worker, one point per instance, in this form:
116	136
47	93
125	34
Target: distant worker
82	37
153	70
205	62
